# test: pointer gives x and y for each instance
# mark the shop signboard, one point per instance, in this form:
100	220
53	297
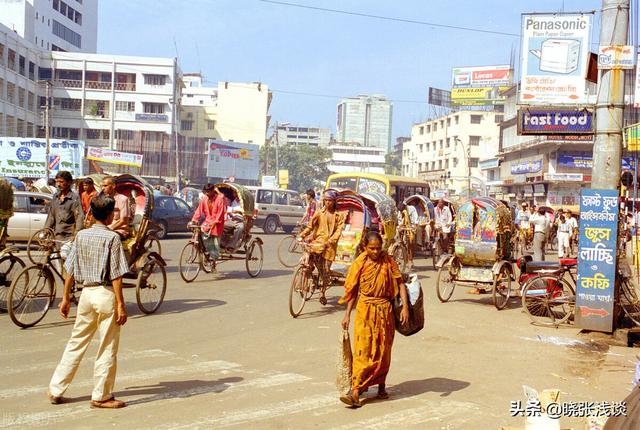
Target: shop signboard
555	54
477	96
527	166
584	160
555	121
26	157
482	76
632	137
489	164
564	177
227	159
616	56
269	182
570	137
114	157
597	259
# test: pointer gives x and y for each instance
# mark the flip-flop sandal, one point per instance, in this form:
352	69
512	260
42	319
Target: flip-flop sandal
349	400
108	404
383	396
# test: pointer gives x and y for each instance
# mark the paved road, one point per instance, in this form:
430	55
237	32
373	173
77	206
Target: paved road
223	352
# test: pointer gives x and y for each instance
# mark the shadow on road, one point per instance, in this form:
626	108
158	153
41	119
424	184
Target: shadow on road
178	389
177	306
240	274
331	307
444	386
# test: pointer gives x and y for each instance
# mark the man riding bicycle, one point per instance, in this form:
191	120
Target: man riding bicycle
443	224
325	229
65	216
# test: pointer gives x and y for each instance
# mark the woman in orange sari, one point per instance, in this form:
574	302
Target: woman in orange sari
373	280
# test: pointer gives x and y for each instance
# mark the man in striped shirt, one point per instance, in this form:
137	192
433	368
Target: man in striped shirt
96	262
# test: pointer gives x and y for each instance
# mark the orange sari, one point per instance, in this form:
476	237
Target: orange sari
375	285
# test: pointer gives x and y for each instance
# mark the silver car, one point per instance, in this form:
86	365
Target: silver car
29	215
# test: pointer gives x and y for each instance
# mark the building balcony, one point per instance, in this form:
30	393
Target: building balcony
125	86
68	83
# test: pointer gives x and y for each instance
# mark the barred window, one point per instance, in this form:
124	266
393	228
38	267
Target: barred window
67	34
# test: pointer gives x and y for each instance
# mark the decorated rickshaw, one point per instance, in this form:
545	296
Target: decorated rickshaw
482	251
423	231
193	257
10	264
33	290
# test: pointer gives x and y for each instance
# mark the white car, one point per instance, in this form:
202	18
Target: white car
29	215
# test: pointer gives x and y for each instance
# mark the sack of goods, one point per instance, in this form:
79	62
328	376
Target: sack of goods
6	201
416	308
344	364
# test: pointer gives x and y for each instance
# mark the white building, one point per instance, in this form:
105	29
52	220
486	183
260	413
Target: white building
56	25
19	107
123	103
355	158
443	151
365	120
298	135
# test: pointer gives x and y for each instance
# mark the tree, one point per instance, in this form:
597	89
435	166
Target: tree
393	163
307	165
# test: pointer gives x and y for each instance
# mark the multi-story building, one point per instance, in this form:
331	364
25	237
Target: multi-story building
446	151
298	135
356	158
232	111
365	120
56	25
118	102
19	107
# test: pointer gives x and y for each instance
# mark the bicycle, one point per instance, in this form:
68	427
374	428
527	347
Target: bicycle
289	250
307	279
10	264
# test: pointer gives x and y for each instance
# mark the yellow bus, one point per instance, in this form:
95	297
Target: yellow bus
398	187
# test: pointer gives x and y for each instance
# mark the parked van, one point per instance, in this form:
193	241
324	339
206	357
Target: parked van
277	208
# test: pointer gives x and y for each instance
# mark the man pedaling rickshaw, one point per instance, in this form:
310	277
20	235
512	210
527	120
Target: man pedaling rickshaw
325	229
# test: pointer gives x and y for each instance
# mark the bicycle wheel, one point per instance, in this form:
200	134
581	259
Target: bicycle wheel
30	295
153	244
502	288
289	251
436	252
630	300
151	286
298	293
10	265
254	258
548	300
399	254
41	243
446	281
190	262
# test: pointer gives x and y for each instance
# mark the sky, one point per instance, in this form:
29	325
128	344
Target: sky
327	55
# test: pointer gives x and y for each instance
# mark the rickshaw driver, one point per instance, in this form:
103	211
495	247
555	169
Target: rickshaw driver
408	219
444	221
212	208
325	229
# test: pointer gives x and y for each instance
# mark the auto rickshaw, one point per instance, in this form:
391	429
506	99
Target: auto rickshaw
482	251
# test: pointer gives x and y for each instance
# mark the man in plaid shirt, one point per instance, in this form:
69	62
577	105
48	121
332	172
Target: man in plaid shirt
96	262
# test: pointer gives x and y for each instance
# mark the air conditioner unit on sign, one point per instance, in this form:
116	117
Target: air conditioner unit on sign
558	55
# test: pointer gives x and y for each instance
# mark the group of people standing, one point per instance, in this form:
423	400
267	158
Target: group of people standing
536	225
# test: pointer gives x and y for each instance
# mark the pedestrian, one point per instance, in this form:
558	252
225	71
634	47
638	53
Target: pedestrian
97	262
564	235
211	212
540	227
122	212
88	193
373	280
573	224
65	216
310	198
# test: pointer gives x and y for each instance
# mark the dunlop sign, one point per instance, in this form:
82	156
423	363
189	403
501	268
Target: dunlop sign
555	121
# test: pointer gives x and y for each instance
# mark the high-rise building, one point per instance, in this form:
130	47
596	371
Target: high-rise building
54	25
365	120
299	135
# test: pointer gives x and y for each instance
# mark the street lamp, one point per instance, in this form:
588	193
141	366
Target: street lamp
467	150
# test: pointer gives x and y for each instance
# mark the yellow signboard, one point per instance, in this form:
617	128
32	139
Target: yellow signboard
480	96
633	137
283	176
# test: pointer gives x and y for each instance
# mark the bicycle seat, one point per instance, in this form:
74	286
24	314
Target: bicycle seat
568	262
541	266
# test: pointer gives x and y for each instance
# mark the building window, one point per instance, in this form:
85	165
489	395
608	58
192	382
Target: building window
456	119
124	134
186	125
448	122
455	162
476	119
91	133
11	90
67	34
439	164
473	162
67	104
474	140
428	129
448	142
11	59
32	71
421	130
123	106
22	65
440	143
153	107
31	100
446	164
211	124
1	54
428	146
499	118
441	123
435	127
157	80
56	48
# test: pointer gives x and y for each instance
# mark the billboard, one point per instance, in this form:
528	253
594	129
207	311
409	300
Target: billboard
636	101
227	159
480	96
616	56
439	97
526	166
114	157
554	53
21	156
555	121
484	76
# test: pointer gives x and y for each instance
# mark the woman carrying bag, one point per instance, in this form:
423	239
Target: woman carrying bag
374	281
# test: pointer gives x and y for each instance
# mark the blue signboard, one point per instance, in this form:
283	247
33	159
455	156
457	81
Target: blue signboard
584	160
531	166
597	259
557	121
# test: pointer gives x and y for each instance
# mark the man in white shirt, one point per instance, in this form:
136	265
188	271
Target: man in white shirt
573	224
234	222
444	221
564	233
540	227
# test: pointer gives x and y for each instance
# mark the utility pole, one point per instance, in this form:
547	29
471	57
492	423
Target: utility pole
607	147
469	171
47	127
277	159
175	121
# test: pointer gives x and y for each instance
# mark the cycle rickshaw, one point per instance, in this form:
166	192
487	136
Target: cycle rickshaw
250	249
423	231
482	251
10	264
33	290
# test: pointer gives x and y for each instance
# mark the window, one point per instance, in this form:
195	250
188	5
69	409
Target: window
473	162
455	162
21	97
182	206
11	59
11	89
448	122
441	123
22	65
281	198
1	54
474	140
91	133
124	134
476	119
67	34
448	142
456	119
440	143
20	204
123	106
428	128
32	71
421	130
421	147
31	100
67	104
499	118
153	107
440	164
186	125
295	200
155	79
1	93
211	124
44	74
428	146
446	164
435	127
265	196
166	204
39	204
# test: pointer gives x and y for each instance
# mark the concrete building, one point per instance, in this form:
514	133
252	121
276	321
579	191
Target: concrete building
123	103
232	111
365	120
356	158
19	107
56	25
298	135
443	150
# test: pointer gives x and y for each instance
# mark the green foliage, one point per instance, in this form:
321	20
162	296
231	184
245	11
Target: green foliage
393	163
307	165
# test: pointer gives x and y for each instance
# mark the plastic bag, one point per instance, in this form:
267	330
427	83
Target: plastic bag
344	364
416	308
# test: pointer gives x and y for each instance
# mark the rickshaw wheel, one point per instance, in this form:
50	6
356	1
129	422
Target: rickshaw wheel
501	288
254	258
399	254
299	291
10	265
190	262
153	244
151	286
30	295
548	300
446	282
40	243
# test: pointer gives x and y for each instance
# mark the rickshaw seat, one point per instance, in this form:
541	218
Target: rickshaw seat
568	262
537	266
135	224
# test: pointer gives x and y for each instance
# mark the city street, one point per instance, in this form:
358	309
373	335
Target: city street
223	352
